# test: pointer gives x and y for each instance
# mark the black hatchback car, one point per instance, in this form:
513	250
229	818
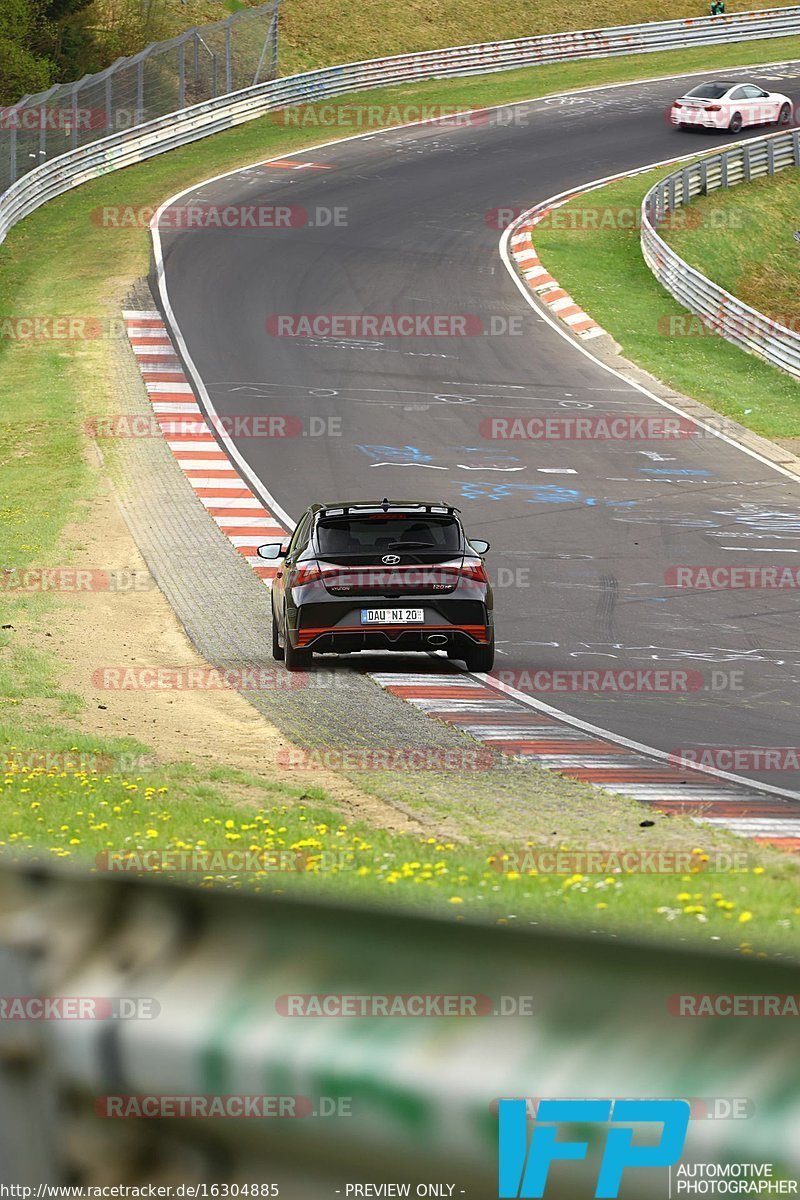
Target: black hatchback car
386	575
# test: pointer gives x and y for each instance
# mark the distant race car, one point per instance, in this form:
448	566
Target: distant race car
386	575
730	104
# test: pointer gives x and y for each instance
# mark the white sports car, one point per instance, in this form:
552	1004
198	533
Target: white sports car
728	104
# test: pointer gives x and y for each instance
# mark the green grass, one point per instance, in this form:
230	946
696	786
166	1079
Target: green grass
60	263
743	240
317	33
604	271
75	809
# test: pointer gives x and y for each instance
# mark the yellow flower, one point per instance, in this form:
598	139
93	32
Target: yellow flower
744	917
456	900
152	833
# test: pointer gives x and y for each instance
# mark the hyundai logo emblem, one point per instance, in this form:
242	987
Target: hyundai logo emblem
391	560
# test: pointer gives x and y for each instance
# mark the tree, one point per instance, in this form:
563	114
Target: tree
22	68
63	35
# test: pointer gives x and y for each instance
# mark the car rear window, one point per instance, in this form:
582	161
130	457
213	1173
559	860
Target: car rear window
710	91
382	534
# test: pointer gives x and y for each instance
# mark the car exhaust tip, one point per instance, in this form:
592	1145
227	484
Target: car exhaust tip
437	639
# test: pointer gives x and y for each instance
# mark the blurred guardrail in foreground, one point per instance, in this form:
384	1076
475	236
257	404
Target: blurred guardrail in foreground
121	149
222	985
720	310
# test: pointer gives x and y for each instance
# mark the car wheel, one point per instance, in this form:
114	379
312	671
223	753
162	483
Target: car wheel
480	658
295	660
785	115
277	648
735	123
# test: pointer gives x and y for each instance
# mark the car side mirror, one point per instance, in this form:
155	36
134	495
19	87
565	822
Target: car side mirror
273	550
478	545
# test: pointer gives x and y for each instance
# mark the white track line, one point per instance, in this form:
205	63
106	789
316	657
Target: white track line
270	501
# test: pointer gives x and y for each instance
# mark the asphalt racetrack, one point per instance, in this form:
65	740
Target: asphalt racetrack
584	532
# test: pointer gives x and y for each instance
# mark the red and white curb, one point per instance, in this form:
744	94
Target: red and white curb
471	704
238	512
505	724
542	283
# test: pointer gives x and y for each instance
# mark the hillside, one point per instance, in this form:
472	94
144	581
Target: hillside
318	33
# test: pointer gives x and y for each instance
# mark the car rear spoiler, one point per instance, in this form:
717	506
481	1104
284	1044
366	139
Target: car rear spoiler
437	508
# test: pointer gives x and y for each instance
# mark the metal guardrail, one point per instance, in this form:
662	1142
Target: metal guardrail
600	1018
203	62
719	310
179	128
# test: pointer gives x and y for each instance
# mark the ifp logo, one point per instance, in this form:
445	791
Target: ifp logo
523	1168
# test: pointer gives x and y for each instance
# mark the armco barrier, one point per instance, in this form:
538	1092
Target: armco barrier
68	170
721	311
596	1016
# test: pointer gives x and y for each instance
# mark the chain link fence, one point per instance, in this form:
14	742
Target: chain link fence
204	62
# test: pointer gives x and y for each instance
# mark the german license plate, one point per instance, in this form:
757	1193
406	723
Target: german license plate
391	616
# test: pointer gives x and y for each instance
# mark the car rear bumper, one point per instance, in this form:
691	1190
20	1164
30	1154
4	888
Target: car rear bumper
705	120
349	639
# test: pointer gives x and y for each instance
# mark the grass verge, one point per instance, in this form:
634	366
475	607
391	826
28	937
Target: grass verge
743	240
261	836
320	33
604	271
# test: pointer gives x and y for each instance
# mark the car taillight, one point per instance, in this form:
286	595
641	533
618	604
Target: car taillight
474	570
306	573
713	108
677	104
